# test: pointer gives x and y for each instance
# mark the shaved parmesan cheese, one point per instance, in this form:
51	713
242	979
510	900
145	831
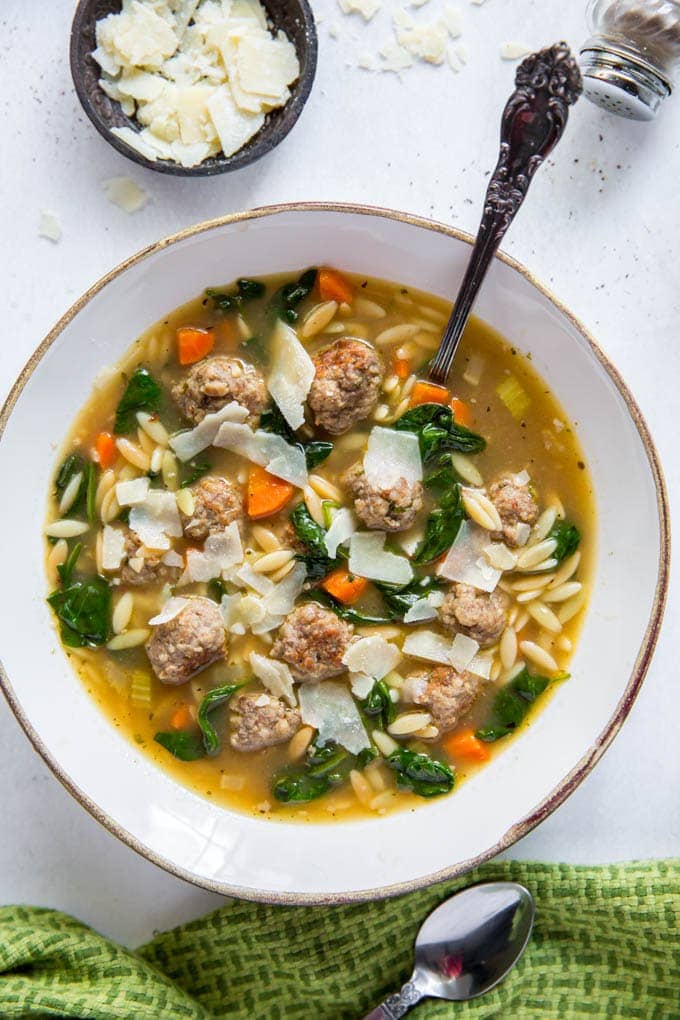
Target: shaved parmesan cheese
258	582
234	127
330	708
265	65
453	20
420	611
411	539
137	37
270	451
373	656
49	226
395	58
465	560
136	141
113	547
291	374
425	41
523	478
140	85
480	666
275	676
124	193
426	644
172	559
133	492
361	685
513	51
368	558
282	597
156	520
343	526
392	456
463	651
187	444
220	552
366	8
172	608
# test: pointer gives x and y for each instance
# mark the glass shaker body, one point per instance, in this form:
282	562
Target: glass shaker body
632	60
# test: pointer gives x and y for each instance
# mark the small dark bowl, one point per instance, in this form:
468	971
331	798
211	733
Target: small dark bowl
293	16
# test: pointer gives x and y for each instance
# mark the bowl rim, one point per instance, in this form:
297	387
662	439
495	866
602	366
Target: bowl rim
221	164
583	767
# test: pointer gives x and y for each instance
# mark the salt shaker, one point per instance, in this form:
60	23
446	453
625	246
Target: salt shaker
630	62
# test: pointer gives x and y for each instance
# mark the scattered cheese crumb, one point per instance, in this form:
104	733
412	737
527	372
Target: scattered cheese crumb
49	226
395	58
333	31
513	51
453	20
366	8
462	54
124	193
367	62
426	41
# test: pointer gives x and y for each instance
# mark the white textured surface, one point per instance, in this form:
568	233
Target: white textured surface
600	228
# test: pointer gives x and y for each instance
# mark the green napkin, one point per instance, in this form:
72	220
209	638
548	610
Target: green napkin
605	945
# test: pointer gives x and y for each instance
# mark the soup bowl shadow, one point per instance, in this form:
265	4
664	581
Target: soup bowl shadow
282	862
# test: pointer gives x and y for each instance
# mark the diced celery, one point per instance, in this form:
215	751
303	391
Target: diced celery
140	688
514	396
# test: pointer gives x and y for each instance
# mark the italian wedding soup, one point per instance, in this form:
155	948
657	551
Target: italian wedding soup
304	580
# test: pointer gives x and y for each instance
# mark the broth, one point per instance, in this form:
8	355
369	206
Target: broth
509	405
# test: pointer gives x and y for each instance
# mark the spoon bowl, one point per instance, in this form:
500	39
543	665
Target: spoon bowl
466	946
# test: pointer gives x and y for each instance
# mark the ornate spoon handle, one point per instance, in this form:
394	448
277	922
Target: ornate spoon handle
534	118
398	1004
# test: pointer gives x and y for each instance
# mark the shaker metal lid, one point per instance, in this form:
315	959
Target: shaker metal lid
616	81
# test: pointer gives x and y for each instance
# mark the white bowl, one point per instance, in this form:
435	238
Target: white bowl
281	862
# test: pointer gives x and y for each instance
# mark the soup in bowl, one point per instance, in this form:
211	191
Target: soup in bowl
293	582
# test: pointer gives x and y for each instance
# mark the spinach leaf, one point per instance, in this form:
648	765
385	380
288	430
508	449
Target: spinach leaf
216	589
142	393
420	774
324	768
511	705
91	491
315	452
311	536
246	290
284	302
347	612
182	745
213	699
379	705
192	471
567	536
400	600
442	523
72	466
65	569
366	756
84	611
438	432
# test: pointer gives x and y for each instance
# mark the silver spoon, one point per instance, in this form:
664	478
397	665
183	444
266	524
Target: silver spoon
533	121
465	947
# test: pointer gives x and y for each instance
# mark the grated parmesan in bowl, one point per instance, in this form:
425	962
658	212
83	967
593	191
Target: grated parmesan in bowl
185	86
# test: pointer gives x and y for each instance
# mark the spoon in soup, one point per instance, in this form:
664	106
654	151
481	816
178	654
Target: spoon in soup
465	947
547	83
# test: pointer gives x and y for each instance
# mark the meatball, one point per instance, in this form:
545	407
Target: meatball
390	509
259	720
144	568
346	385
217	502
185	645
447	693
313	640
211	384
479	614
516	506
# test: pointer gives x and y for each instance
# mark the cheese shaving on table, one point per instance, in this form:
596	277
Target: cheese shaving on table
330	708
172	608
270	451
291	374
124	193
392	456
187	444
199	76
275	676
514	51
49	226
466	561
366	8
368	558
